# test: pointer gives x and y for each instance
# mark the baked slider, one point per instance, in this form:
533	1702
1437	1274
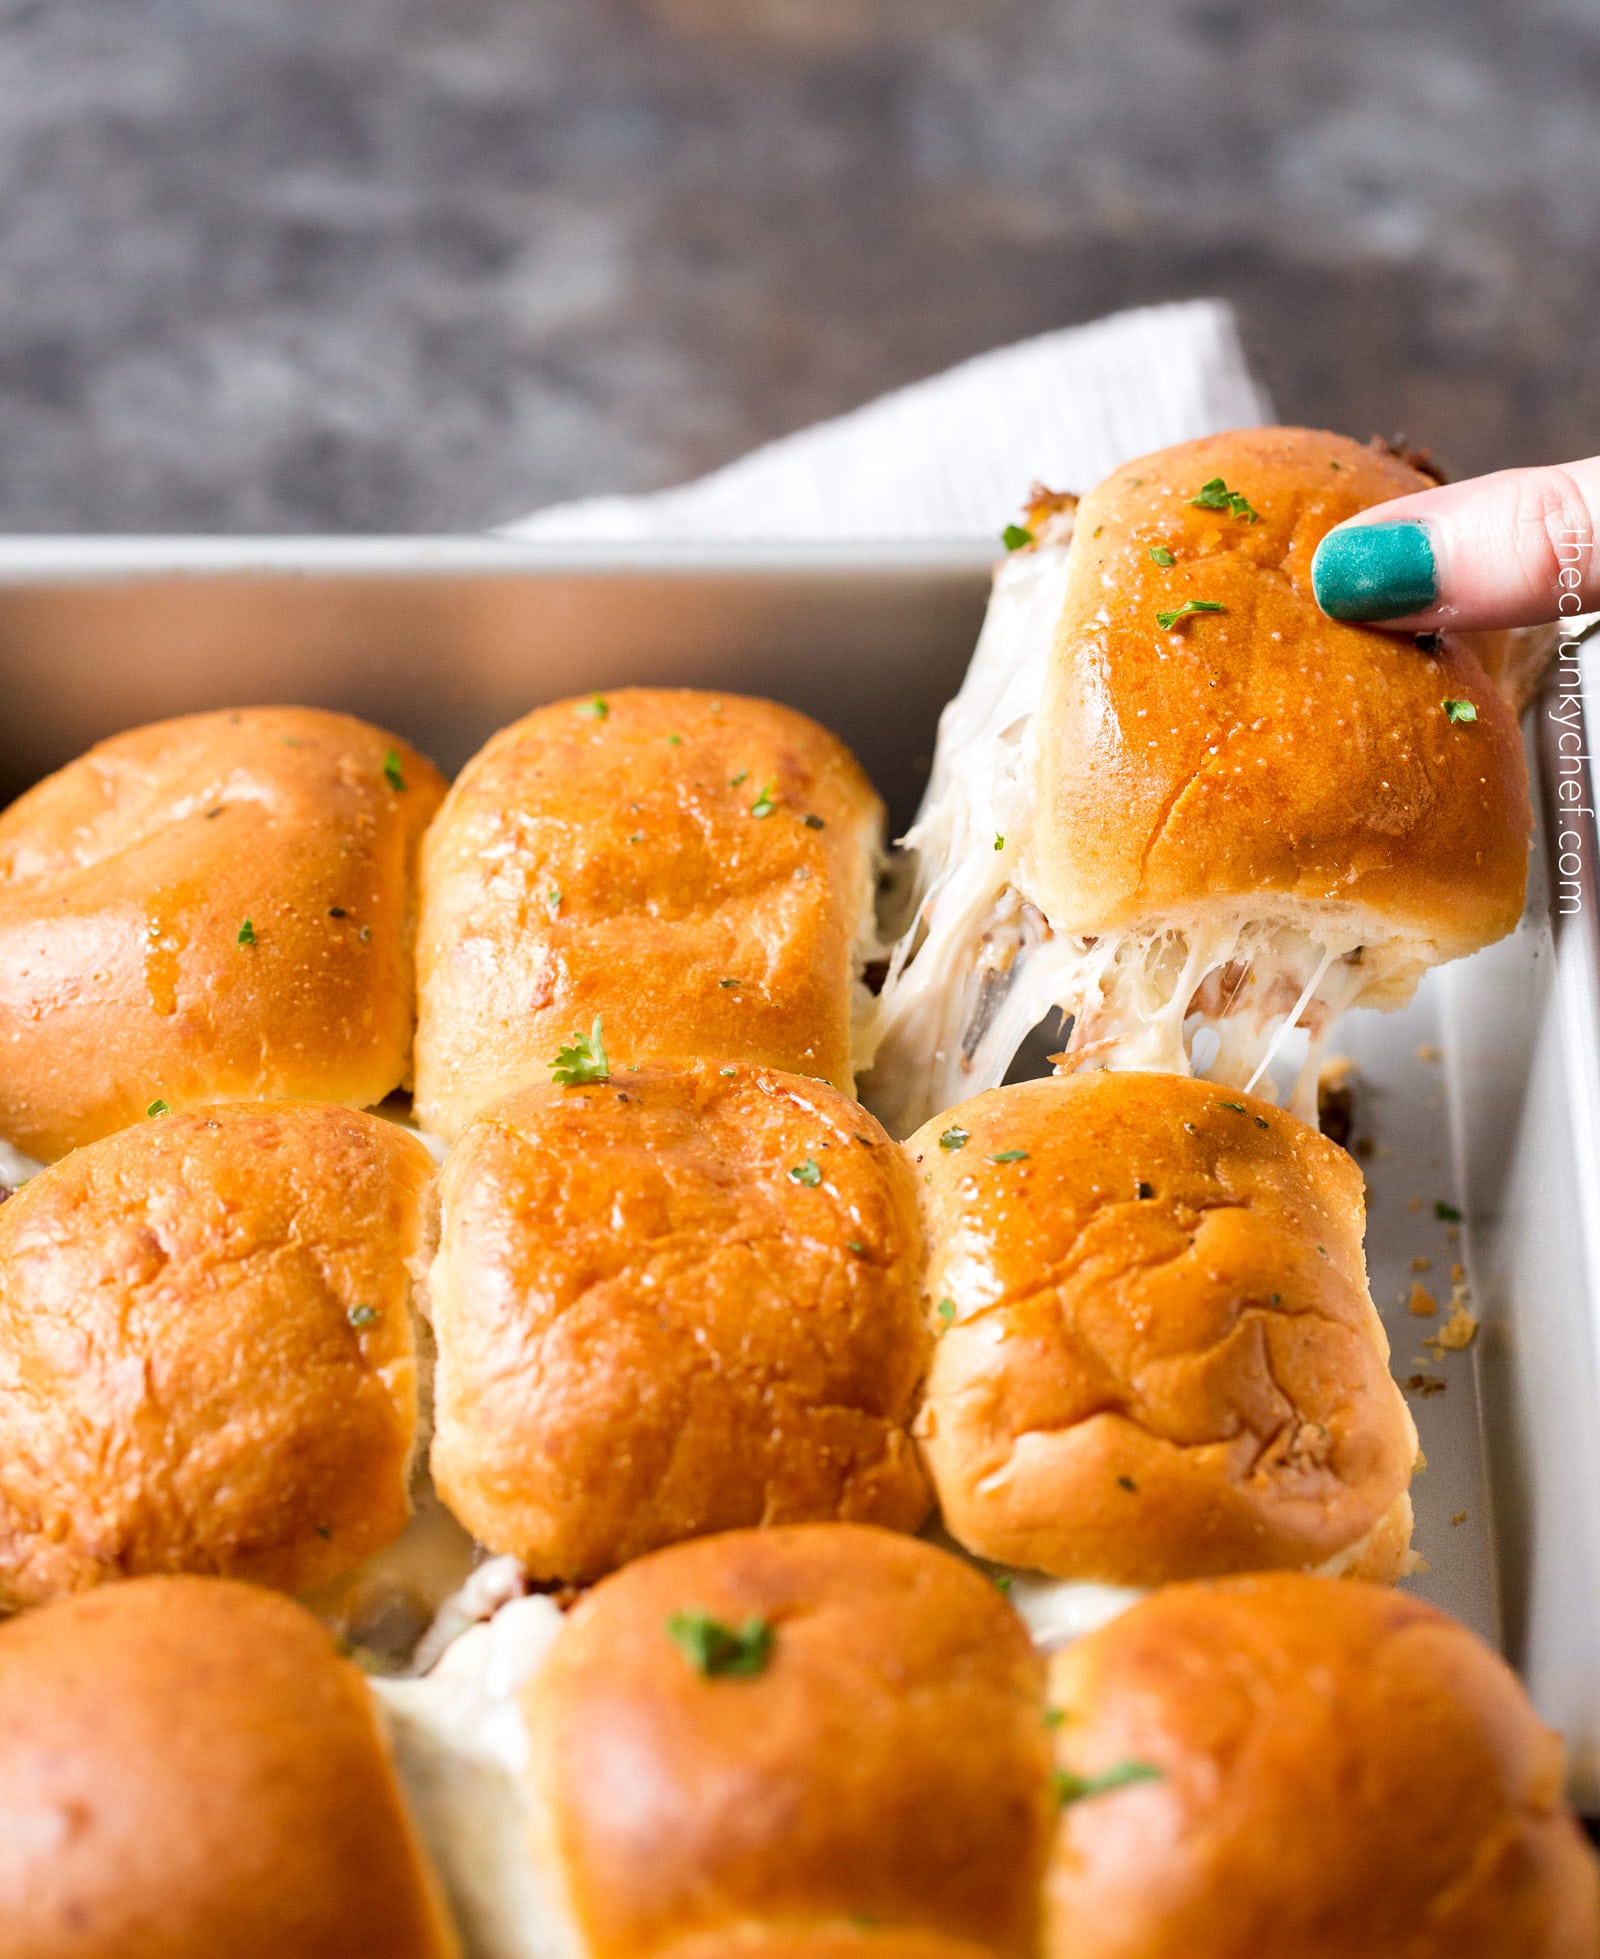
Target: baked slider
1282	1765
672	1301
792	1734
698	870
187	1770
216	908
1157	1356
206	1353
1173	795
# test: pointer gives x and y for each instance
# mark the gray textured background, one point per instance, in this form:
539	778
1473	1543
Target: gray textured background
368	264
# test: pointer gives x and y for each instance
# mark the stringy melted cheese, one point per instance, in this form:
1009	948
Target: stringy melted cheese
977	967
461	1747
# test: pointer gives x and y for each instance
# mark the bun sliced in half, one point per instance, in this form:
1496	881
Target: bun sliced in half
206	1351
1158	1356
188	1770
673	1302
210	909
1329	1770
1171	786
696	869
870	1747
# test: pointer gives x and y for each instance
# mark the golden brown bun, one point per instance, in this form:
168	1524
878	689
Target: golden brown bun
649	1329
586	865
1136	1387
889	1763
1344	1773
1267	751
188	1771
182	1387
862	1940
125	881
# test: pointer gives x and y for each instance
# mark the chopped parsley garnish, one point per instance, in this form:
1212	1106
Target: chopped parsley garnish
1446	1213
365	934
946	1309
1160	555
675	741
1237	1106
1009	1156
1013	537
584	1061
1459	710
1053	1717
1167	620
718	1651
552	900
735	780
362	1315
729	982
1127	1483
812	821
247	934
807	1173
391	770
595	708
855	1245
214	812
955	1138
1070	1788
764	804
727	1071
1002	1583
999	841
1216	495
159	1108
1144	1190
337	911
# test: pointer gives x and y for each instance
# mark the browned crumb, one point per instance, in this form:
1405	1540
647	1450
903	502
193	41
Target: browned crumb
1336	1099
1422	1265
1458	1274
1459	1518
1364	1148
1421	1565
1423	1384
1427	1052
1458	1332
1413	1203
1422	1302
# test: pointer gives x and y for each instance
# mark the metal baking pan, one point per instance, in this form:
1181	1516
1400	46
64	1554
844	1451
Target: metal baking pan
1482	1097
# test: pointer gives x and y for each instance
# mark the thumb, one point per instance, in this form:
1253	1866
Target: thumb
1513	549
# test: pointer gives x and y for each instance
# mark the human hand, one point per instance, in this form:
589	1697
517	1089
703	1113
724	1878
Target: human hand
1513	549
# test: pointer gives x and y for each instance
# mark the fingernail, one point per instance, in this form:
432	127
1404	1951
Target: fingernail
1375	571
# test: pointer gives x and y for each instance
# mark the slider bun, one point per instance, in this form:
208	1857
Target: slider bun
188	1771
649	1329
887	1764
181	1384
1267	753
125	881
863	1940
641	820
1212	1344
1344	1772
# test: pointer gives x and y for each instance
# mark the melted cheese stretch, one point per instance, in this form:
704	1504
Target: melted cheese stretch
461	1747
977	968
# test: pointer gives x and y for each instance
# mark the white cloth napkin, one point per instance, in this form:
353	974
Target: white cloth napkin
952	457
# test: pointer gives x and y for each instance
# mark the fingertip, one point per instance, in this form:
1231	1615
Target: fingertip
1372	573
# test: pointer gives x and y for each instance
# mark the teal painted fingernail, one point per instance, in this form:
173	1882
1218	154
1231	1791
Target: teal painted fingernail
1375	571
